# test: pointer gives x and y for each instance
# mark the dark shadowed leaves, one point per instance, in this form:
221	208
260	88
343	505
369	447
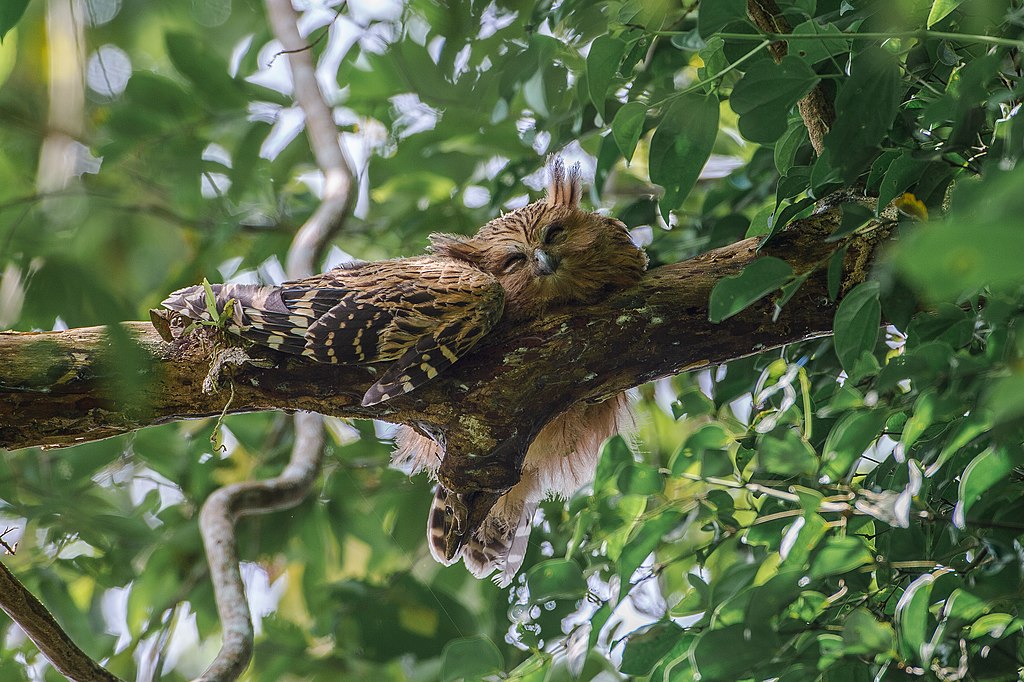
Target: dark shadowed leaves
856	323
869	100
734	293
765	95
10	13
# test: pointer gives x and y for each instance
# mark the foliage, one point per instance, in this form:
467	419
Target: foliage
848	508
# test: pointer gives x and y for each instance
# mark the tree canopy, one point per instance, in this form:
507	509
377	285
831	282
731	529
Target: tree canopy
846	507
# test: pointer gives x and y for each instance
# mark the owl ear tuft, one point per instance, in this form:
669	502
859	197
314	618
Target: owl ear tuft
565	187
455	246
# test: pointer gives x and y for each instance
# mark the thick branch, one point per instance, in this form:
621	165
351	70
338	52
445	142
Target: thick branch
61	388
815	107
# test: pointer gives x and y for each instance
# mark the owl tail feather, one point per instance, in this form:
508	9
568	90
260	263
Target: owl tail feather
435	529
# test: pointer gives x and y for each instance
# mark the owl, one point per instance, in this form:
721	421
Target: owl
416	316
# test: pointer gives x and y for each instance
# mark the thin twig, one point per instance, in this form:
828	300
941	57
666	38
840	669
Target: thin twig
224	507
44	631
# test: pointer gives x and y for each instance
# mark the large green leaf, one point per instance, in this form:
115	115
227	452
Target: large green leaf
602	64
848	440
984	471
471	658
856	324
735	292
681	146
868	101
10	12
627	127
556	579
765	95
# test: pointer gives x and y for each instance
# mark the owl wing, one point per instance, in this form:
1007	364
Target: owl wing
420	314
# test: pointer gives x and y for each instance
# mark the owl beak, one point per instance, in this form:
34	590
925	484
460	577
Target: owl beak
468	511
546	263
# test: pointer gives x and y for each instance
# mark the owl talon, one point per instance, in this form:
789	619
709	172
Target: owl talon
463	515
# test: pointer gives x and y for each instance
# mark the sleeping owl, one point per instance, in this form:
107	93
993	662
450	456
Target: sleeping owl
416	316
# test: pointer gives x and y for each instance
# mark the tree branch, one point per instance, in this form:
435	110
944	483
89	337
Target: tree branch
61	388
816	109
44	631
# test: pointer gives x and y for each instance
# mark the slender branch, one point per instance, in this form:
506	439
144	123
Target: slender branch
224	507
338	197
217	522
44	631
816	108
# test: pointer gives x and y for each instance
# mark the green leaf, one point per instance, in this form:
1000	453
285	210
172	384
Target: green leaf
681	145
205	69
779	220
903	172
555	579
765	95
784	452
614	456
835	273
10	13
644	649
921	419
984	471
840	555
470	658
863	635
788	145
646	540
640	479
856	324
913	618
978	245
728	654
602	64
831	42
848	440
996	625
735	292
692	401
627	126
809	530
941	9
868	100
715	16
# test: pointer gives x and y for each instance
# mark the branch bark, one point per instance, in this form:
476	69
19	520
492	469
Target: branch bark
61	388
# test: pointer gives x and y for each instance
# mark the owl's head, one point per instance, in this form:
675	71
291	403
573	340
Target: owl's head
550	251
